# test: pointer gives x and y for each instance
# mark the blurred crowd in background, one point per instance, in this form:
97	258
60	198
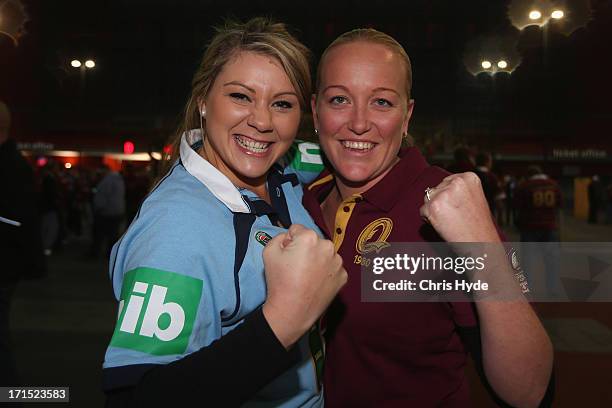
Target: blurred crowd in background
97	204
92	204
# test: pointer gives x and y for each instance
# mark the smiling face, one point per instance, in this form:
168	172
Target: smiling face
361	111
252	117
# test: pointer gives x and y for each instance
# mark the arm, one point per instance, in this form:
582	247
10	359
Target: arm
303	274
305	159
470	336
517	354
228	372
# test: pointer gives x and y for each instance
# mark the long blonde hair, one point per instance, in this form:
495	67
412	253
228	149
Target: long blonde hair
260	35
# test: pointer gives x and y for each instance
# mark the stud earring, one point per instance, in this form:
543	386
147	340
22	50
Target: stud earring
202	117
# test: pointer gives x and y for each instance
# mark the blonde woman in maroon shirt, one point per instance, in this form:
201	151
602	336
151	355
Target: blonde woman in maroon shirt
406	354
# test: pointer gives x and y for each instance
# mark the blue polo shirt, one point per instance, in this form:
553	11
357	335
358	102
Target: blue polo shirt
189	269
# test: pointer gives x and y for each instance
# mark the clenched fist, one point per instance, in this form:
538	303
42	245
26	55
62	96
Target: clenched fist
458	210
303	275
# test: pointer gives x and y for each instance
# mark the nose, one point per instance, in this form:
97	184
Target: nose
260	118
359	123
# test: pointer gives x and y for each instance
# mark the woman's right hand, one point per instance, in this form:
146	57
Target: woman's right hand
303	275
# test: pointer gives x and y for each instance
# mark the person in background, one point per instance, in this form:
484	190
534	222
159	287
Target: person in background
463	160
109	211
21	250
50	207
74	226
490	183
538	203
596	196
509	187
609	203
375	193
137	185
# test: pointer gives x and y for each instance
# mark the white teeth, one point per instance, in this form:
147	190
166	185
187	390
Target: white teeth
357	145
252	145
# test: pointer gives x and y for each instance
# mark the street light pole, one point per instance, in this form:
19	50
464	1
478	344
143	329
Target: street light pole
83	68
566	17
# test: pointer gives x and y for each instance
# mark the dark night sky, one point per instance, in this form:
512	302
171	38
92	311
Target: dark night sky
147	50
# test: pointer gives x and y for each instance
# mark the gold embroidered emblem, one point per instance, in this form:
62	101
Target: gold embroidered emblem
374	236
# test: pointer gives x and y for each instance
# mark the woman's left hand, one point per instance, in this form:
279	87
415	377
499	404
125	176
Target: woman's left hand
458	210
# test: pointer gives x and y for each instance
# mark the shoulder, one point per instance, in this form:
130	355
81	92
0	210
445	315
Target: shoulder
305	159
433	175
175	199
178	224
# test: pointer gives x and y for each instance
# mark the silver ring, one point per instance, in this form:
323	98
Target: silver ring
427	191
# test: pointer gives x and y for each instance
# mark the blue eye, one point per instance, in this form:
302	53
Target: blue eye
338	100
239	96
383	102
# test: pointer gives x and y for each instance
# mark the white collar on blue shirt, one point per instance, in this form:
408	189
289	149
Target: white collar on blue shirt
216	182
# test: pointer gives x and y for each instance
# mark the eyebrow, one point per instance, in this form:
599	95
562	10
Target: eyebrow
382	88
239	84
286	93
253	90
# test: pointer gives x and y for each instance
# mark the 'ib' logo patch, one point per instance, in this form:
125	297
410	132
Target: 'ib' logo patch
157	311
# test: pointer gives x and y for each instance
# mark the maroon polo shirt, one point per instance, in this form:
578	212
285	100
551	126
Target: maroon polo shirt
538	201
389	354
